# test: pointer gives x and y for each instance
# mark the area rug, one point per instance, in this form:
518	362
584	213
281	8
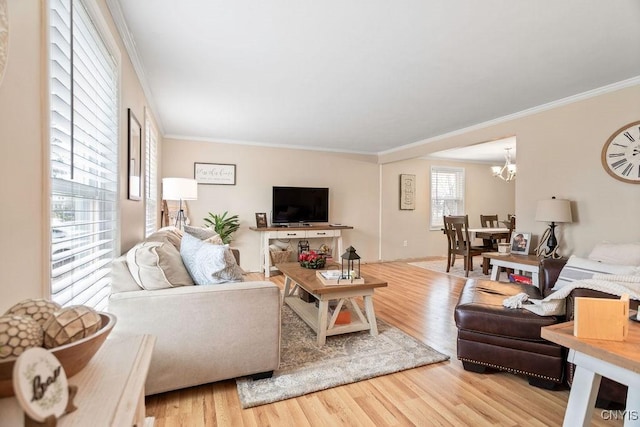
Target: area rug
306	368
457	270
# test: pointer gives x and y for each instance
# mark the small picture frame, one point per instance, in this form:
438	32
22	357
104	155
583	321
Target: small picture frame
520	242
261	220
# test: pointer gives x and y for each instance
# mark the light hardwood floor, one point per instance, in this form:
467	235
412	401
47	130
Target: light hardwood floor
421	303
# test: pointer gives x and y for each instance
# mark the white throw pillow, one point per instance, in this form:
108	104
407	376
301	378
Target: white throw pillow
209	263
578	268
616	253
157	265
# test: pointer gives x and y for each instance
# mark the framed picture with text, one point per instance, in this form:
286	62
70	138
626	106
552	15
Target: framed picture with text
407	192
214	173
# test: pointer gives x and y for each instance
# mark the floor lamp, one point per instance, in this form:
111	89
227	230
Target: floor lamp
553	210
179	189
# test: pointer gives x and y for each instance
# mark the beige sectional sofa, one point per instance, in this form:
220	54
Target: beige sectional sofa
204	333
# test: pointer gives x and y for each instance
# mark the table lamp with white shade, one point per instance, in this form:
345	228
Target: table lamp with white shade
179	189
552	210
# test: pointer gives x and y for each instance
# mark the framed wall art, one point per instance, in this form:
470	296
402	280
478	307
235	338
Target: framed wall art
135	157
407	192
214	173
520	242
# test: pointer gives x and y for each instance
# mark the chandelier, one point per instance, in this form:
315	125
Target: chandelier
506	172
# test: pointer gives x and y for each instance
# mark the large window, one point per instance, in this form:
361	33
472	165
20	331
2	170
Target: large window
83	87
447	194
151	175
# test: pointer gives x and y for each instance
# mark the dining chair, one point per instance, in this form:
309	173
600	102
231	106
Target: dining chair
511	225
459	243
489	221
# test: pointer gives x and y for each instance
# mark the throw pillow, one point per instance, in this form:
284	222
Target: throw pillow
208	263
157	265
206	234
578	268
616	253
169	234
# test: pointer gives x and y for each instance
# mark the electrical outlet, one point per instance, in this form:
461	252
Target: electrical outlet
405	244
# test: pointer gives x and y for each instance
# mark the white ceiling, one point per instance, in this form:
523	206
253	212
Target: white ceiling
369	75
487	152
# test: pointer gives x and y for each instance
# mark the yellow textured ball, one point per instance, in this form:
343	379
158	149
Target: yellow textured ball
71	324
18	333
37	308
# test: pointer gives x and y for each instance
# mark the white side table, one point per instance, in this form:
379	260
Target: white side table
594	359
110	387
520	263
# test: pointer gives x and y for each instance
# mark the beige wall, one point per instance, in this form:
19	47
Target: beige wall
484	194
559	155
24	246
21	157
352	182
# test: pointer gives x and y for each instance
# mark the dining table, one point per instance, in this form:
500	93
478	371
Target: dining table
490	233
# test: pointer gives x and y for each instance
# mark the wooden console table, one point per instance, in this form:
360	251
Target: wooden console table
594	359
267	234
110	387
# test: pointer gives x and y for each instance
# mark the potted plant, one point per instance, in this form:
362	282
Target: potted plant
223	225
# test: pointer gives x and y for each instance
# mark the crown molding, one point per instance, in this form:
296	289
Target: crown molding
130	46
520	114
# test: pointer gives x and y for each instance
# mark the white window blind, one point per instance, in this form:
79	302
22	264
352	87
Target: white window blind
151	174
84	157
447	194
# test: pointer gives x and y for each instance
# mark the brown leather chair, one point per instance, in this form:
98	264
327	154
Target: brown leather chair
492	336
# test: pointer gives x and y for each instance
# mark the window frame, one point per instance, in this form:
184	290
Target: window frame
109	45
436	221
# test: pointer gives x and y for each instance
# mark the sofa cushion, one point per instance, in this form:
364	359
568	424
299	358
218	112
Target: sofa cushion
206	234
578	268
616	253
209	263
168	234
121	279
157	265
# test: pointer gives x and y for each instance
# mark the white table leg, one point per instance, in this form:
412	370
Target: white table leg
287	287
582	398
371	315
266	259
495	272
323	312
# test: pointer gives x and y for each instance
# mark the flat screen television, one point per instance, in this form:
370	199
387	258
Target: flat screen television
299	204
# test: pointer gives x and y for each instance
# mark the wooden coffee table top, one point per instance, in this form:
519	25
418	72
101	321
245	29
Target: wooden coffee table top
307	278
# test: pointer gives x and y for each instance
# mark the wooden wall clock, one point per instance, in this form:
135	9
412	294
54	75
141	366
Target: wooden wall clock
621	154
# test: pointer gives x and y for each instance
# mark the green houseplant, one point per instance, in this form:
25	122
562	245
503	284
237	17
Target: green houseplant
223	225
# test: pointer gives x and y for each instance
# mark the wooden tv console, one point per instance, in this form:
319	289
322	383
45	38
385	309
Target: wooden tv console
267	234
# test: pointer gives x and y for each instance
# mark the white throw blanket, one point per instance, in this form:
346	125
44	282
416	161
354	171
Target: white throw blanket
554	304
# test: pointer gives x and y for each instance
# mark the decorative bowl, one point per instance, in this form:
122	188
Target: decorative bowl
318	263
73	357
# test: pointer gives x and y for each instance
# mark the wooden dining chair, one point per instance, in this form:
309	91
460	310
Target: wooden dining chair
489	221
459	243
